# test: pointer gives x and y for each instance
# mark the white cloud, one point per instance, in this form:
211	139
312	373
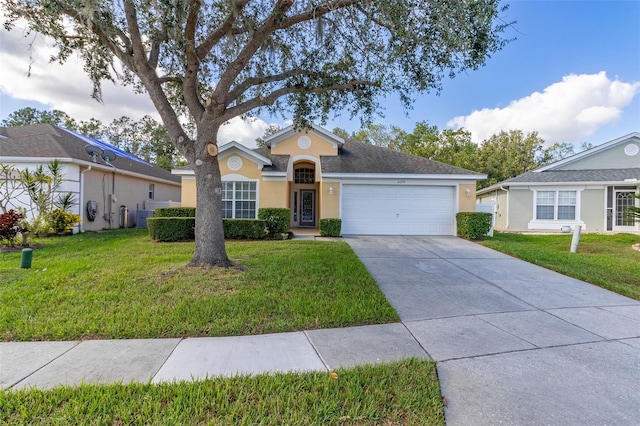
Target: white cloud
244	131
67	88
567	111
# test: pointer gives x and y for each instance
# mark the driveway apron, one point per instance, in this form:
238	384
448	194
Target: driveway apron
515	343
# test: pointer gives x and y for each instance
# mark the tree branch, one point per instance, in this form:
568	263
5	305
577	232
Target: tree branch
124	56
239	89
192	64
353	85
154	54
216	35
262	33
153	83
319	11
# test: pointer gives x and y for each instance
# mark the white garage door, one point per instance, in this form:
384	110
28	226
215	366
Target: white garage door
397	210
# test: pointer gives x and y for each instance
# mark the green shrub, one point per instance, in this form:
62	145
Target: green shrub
277	219
171	228
61	220
473	225
175	212
245	229
330	227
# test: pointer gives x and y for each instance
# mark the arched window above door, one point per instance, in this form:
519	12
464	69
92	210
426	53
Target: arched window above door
304	175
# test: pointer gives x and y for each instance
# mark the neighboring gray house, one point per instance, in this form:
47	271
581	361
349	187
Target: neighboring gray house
102	188
592	189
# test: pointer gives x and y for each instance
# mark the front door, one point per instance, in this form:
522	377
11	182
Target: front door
623	199
307	207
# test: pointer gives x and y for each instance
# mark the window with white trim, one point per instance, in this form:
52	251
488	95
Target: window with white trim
555	205
239	200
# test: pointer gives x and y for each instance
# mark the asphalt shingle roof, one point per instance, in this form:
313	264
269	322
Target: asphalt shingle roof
279	163
591	175
48	141
359	157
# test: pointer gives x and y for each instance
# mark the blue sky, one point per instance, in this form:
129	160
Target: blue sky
572	74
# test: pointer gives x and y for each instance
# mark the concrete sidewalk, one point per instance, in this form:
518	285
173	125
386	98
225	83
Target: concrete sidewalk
48	364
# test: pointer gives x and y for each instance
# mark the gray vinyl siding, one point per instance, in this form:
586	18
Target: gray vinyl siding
592	209
520	208
500	198
608	159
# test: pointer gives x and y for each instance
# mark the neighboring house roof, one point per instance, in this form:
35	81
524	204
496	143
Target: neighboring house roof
550	174
592	175
50	142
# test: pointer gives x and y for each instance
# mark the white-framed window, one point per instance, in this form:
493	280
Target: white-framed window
556	205
152	191
239	200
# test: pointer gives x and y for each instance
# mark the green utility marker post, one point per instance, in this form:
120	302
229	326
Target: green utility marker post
27	255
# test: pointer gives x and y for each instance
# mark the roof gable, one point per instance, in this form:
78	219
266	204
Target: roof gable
623	152
290	131
234	147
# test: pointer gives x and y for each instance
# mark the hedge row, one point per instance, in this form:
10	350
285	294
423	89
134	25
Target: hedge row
330	227
171	228
178	224
183	228
473	225
277	219
175	212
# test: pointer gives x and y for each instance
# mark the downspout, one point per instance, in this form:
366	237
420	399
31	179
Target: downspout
82	202
506	223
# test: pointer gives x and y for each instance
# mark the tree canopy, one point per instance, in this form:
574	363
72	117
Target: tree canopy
215	60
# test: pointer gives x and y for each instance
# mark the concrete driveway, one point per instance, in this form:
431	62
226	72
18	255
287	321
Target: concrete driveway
515	343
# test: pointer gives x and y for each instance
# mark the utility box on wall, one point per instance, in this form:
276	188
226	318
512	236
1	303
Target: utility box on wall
141	218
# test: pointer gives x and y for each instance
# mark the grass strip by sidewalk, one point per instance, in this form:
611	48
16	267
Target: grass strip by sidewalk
608	261
405	392
119	284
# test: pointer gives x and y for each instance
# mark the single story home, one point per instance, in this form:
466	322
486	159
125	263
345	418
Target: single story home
317	174
592	189
110	185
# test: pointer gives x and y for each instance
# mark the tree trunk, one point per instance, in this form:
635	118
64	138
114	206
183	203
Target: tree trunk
210	246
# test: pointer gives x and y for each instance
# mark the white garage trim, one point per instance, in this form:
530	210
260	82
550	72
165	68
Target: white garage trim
387	209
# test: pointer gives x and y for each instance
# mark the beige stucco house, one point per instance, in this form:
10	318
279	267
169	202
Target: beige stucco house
591	189
317	174
105	185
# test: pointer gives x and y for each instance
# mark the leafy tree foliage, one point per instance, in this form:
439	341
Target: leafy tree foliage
633	212
270	130
146	139
509	154
215	60
25	116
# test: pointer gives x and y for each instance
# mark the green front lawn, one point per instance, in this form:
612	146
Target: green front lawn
401	393
119	284
608	261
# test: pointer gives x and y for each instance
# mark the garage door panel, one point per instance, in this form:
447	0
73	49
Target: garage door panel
397	210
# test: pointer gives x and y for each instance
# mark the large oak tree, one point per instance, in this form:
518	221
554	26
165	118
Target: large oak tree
215	60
